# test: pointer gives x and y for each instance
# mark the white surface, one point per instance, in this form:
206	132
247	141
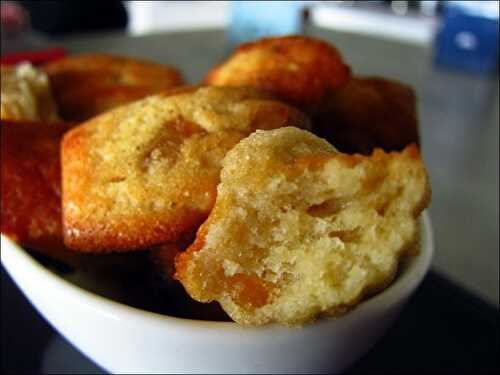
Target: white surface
152	16
419	31
123	339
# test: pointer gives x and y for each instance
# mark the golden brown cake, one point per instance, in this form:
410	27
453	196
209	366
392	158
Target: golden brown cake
86	85
369	112
299	70
300	230
146	173
31	187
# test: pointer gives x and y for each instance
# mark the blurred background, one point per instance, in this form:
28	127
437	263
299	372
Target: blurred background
462	33
446	50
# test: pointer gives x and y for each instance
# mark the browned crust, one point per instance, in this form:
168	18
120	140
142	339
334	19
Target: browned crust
122	235
88	84
299	70
31	187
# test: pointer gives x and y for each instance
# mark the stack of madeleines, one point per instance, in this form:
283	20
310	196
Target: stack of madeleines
282	187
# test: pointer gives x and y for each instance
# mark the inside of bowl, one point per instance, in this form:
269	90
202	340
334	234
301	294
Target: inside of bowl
132	281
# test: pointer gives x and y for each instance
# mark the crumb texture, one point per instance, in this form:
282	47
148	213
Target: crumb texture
300	230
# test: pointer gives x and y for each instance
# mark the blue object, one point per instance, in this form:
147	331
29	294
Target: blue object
468	39
251	20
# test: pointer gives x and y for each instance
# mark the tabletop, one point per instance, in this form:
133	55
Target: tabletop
458	116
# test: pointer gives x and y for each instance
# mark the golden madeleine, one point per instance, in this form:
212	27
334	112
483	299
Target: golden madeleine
88	84
146	173
297	69
31	187
300	230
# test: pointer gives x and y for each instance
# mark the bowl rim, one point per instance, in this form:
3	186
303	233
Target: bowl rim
15	259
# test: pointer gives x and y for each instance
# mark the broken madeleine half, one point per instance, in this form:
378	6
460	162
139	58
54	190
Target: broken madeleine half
300	230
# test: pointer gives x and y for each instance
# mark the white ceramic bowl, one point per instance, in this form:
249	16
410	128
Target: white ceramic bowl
124	339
